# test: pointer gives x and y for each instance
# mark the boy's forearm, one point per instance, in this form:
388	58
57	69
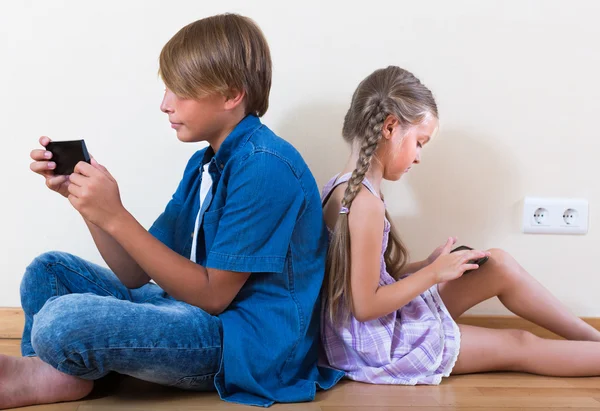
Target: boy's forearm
177	275
117	259
392	297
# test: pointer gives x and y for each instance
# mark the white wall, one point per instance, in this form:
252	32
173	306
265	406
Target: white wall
516	82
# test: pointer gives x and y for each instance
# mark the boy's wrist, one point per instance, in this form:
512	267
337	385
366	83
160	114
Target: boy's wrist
118	223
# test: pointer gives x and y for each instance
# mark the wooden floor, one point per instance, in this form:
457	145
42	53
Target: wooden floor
494	392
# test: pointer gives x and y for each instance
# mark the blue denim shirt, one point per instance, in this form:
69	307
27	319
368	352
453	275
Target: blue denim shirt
263	216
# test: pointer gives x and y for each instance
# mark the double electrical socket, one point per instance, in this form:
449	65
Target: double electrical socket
555	215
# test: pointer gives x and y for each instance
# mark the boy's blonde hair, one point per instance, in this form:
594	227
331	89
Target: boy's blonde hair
390	91
219	54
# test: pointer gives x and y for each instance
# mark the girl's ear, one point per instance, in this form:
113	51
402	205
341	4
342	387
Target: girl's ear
390	124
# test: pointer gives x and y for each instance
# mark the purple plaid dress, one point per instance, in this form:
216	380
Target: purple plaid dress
418	344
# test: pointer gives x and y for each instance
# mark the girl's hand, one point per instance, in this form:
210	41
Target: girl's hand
450	266
438	251
43	166
94	192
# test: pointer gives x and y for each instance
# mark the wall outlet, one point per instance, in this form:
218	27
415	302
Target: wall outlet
540	217
555	215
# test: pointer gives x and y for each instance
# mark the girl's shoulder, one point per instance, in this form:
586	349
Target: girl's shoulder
366	205
366	209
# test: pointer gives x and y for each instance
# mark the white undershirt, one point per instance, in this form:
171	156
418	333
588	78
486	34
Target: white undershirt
205	186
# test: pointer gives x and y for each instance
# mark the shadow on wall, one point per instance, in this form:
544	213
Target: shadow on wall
465	187
316	132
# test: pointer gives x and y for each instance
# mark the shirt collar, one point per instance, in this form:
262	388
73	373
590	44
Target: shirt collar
239	135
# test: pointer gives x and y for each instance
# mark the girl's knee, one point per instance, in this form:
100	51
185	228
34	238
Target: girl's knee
499	256
522	343
504	265
523	338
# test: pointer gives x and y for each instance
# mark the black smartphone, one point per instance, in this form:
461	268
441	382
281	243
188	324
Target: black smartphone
66	155
479	262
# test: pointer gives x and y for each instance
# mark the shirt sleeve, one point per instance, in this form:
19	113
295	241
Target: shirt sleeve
264	201
163	228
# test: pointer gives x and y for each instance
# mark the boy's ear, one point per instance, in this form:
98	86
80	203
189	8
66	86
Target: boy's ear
234	98
389	126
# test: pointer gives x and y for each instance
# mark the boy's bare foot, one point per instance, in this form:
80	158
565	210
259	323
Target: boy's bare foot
29	381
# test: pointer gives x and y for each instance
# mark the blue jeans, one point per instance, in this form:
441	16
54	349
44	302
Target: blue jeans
83	321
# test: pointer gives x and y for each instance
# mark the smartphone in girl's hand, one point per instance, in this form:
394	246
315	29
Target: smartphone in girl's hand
479	262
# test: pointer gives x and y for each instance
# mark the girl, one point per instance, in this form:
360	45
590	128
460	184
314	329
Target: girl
383	325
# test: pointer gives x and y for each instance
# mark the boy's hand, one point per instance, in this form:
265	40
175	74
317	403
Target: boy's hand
438	251
95	194
43	166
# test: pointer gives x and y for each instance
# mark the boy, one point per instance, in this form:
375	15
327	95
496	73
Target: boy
237	256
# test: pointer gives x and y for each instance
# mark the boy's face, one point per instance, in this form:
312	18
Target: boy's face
195	119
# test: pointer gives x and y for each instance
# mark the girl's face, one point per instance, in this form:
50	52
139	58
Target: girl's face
401	147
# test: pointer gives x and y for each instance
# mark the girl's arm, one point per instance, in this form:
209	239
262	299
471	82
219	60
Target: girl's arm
370	300
413	267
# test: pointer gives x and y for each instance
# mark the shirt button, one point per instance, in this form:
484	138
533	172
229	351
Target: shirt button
222	166
192	235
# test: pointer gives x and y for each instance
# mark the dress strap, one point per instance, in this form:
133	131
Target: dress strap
343	179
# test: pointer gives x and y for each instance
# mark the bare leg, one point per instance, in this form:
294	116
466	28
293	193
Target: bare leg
29	381
522	294
484	349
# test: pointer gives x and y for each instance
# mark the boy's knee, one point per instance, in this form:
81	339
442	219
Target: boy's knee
51	257
45	334
40	264
57	327
36	274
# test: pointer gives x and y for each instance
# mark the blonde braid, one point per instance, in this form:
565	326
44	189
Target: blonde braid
366	154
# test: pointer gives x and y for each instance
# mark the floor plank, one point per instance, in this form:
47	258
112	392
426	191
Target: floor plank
507	380
65	406
540	392
10	347
489	392
400	408
12	322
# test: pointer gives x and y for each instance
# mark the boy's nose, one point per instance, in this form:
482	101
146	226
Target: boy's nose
165	107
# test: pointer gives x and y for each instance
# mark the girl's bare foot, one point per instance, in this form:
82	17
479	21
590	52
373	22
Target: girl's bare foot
29	381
